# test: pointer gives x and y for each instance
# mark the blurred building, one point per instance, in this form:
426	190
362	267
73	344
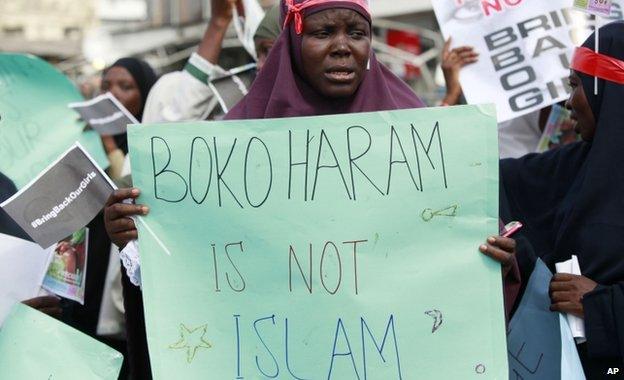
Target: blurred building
48	28
83	36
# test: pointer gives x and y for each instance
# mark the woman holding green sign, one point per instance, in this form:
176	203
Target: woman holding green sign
322	63
570	201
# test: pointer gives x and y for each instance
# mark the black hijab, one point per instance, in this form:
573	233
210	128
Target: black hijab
144	76
7	224
571	201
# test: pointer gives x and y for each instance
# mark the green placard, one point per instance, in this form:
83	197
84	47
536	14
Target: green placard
334	247
36	346
36	126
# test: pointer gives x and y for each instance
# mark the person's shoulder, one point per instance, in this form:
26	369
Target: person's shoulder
7	187
6	183
161	95
166	81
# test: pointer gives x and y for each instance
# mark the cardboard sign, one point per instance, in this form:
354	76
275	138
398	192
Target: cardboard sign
36	346
337	247
540	344
35	124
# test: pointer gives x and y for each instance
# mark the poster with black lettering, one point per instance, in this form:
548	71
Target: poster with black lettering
231	88
105	114
524	47
329	247
540	344
62	199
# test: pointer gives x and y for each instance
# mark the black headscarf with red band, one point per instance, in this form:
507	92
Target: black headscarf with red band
571	201
594	64
281	91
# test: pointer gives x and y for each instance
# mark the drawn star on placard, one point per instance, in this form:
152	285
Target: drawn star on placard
191	340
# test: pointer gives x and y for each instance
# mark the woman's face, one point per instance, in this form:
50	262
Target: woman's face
122	85
581	110
335	51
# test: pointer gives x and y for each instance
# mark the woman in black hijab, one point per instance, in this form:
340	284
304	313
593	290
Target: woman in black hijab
571	203
130	81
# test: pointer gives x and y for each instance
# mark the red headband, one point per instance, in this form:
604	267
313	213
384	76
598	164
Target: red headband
294	10
598	65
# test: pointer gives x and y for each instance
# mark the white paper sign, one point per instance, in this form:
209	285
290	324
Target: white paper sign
105	114
525	47
577	325
246	27
22	267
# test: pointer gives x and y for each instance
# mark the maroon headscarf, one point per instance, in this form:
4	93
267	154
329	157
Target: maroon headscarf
280	90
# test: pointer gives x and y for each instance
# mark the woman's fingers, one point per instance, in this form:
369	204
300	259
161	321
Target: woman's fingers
43	302
463	50
55	312
558	286
563	277
122	210
564	307
447	47
125	236
504	243
472	57
560	296
121	224
120	194
505	258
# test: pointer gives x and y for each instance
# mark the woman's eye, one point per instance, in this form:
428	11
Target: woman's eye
357	34
321	33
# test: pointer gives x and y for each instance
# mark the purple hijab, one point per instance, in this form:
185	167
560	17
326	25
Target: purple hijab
280	91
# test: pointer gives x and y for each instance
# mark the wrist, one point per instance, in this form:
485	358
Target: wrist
450	99
210	46
453	91
219	22
109	144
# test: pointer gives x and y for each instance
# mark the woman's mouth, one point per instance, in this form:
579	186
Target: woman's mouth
340	75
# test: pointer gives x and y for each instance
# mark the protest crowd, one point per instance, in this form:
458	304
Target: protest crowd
90	244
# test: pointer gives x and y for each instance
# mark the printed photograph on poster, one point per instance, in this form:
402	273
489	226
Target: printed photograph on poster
62	199
231	88
105	114
596	7
66	276
559	130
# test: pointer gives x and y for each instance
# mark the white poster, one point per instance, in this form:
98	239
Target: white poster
105	114
23	265
524	47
